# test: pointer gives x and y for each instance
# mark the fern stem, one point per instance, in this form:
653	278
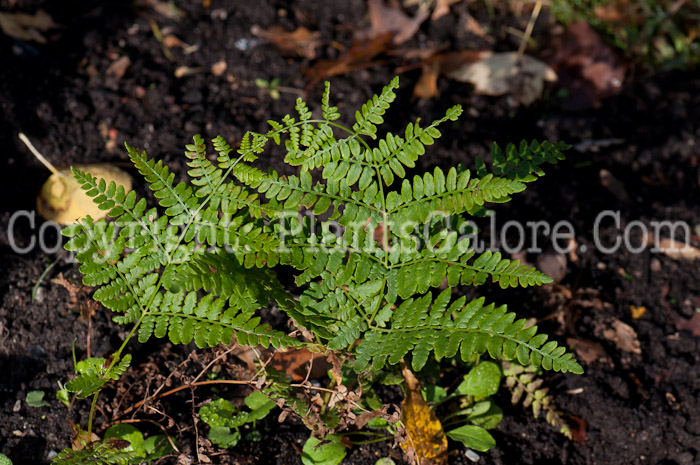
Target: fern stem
346	249
92	416
379	301
334	197
356	305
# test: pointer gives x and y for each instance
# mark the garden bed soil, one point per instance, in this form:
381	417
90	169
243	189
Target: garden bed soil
628	408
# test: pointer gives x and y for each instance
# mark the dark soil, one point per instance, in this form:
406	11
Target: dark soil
632	408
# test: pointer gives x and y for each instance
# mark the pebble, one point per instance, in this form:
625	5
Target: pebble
17	407
39	296
471	455
246	43
37	352
655	265
51	455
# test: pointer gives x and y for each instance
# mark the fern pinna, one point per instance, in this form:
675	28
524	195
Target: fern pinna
198	268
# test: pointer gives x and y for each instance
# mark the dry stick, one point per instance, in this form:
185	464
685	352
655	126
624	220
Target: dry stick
160	388
196	429
204	370
89	331
38	155
530	25
180	388
158	395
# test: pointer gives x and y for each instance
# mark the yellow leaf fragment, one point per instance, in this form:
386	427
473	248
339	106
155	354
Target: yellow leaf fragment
637	312
425	439
62	200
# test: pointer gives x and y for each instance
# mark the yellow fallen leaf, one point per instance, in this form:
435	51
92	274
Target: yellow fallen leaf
426	440
637	312
62	200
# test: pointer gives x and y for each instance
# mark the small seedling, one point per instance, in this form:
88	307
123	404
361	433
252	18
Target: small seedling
225	422
63	395
149	449
272	87
327	452
36	399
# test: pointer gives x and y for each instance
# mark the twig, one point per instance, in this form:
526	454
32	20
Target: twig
159	37
530	25
201	373
180	388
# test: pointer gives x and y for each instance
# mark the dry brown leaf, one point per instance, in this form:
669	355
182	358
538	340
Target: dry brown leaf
424	434
300	364
623	336
72	289
336	366
441	63
677	250
579	428
301	42
358	56
614	186
621	12
118	67
294	362
426	87
166	9
692	325
587	67
586	351
389	19
80	438
62	200
25	26
219	68
172	41
442	8
182	71
472	25
520	76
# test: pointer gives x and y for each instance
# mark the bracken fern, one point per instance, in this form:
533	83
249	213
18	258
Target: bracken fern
200	266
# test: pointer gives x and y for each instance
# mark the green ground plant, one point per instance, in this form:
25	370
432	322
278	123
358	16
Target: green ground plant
370	245
659	34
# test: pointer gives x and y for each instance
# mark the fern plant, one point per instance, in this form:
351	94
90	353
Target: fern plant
200	266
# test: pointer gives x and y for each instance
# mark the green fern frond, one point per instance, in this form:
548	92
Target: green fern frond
417	327
329	113
367	119
97	453
523	163
94	373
